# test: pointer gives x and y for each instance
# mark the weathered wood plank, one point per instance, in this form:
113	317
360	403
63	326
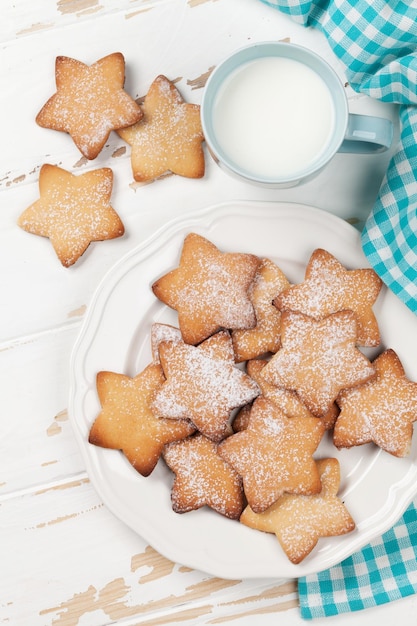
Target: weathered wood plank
69	561
37	444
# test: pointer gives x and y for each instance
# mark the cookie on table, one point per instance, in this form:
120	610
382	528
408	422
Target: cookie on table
299	521
169	137
381	411
209	289
202	478
274	454
329	287
265	336
73	211
201	387
126	421
318	358
89	102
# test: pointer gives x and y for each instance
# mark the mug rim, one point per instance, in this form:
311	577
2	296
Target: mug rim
264	49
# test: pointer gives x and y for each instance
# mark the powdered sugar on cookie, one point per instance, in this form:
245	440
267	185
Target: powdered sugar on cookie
209	289
73	211
200	388
329	287
382	411
318	358
168	138
89	102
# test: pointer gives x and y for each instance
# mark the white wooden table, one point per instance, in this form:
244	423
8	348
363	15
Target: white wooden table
64	558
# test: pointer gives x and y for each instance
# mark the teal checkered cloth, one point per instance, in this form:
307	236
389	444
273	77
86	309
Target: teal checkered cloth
376	40
384	570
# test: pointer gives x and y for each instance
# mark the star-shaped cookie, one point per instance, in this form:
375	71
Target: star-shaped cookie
318	358
73	210
168	138
203	478
126	421
300	521
89	102
265	336
274	454
201	387
329	287
381	411
209	289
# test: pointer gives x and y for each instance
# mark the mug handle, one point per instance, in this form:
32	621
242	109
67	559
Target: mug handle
366	134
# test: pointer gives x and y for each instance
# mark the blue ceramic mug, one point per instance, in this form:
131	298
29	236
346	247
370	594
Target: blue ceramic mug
275	113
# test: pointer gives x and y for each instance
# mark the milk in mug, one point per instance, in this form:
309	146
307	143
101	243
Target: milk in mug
273	117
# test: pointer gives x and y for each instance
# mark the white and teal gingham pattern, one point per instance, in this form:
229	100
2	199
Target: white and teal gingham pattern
376	40
382	571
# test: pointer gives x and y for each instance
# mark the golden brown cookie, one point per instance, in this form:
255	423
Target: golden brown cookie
202	478
168	138
209	289
73	210
274	454
318	358
287	399
217	346
89	102
241	419
381	411
300	521
329	287
265	336
160	333
126	421
201	388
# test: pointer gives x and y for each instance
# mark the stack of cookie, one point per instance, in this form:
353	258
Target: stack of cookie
257	371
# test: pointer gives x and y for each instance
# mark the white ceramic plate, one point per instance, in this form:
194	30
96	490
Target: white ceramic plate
376	487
